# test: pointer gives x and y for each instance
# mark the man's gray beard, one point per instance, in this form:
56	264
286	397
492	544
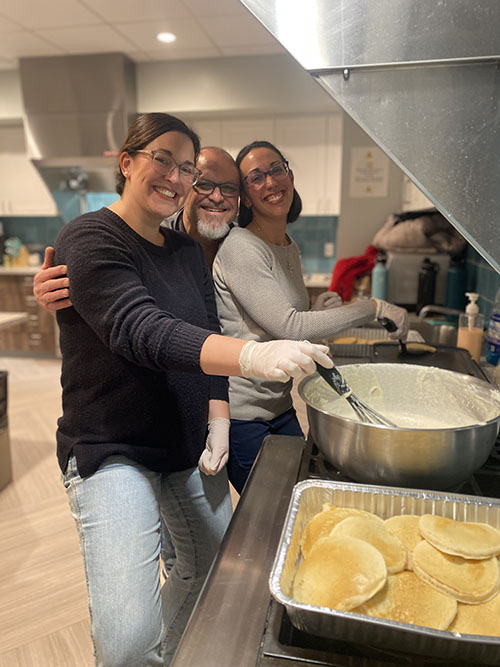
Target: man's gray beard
212	232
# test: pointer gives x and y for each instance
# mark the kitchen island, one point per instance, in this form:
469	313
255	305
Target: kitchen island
12	319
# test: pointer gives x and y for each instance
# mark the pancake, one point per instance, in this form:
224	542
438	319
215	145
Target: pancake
375	533
478	619
466	580
407	599
339	573
405	527
323	523
460	538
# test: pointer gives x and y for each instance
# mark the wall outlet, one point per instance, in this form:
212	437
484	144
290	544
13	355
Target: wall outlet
329	249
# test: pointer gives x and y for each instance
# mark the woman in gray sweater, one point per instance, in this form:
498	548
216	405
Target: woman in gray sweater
261	296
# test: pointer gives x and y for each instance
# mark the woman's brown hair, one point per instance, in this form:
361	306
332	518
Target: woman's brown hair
145	129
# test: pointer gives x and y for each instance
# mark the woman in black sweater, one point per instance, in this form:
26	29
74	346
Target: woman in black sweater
142	376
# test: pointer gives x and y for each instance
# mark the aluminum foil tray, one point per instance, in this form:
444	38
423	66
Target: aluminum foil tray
307	500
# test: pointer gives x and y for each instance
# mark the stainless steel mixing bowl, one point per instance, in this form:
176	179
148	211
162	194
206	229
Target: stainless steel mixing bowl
430	458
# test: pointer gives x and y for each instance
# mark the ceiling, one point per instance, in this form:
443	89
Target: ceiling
204	29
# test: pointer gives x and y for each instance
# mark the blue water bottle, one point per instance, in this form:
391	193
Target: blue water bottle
493	336
379	278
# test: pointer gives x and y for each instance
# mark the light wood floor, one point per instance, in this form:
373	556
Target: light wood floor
43	603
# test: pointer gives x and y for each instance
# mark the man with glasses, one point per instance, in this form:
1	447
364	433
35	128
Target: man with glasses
212	204
209	212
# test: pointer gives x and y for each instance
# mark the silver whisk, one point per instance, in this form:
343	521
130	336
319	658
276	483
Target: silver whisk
338	383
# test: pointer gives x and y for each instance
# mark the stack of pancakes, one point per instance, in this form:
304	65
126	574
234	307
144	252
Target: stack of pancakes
425	570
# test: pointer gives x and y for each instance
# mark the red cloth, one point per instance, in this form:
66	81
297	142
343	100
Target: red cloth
347	270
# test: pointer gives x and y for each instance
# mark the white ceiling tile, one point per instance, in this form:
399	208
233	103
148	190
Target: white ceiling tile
8	25
131	10
252	50
138	56
143	35
24	44
184	54
8	63
90	39
217	8
236	30
48	14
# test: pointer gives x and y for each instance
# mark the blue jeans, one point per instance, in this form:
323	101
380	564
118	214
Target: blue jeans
135	622
246	437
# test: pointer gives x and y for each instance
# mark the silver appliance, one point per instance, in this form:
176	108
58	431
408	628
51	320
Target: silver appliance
77	113
423	81
235	614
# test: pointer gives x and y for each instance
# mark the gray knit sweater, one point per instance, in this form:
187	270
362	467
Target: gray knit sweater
261	296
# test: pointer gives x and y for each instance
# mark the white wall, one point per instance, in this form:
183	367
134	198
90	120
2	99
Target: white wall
231	86
11	106
232	100
360	217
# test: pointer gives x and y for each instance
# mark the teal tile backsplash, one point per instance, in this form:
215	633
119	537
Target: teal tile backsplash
483	279
35	233
39	232
311	232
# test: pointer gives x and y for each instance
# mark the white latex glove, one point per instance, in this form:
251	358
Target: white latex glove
398	315
327	300
282	359
214	457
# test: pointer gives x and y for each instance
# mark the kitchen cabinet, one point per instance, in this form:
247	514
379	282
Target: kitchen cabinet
239	133
311	142
38	335
312	145
22	190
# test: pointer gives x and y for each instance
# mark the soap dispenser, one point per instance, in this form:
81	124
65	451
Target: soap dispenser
470	327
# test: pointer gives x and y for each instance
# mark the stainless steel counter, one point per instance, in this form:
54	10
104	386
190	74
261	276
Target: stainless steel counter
19	270
226	627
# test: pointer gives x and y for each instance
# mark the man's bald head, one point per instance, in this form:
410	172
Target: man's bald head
210	213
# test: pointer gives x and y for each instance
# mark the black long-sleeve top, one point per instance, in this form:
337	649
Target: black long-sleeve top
131	343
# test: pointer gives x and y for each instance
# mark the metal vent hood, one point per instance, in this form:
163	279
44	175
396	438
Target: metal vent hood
77	113
422	79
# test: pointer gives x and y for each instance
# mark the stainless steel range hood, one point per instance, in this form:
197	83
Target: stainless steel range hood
77	113
422	79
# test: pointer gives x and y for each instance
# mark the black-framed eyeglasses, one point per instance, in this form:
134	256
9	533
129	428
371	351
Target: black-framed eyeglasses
204	187
164	164
256	179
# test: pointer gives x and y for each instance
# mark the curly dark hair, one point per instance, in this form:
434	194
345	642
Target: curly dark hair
245	214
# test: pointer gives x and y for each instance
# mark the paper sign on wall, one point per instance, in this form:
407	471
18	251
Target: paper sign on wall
369	172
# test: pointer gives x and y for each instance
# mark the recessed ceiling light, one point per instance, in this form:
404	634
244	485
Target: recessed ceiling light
166	37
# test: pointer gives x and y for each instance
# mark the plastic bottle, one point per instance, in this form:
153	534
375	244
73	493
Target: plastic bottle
470	327
379	278
493	337
426	283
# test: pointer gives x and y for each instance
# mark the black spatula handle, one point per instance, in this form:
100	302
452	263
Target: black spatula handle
388	324
333	377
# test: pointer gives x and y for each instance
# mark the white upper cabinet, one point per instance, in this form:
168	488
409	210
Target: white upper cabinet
22	190
240	132
312	144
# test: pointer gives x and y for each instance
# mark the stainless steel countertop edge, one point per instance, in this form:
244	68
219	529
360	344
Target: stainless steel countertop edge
226	626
